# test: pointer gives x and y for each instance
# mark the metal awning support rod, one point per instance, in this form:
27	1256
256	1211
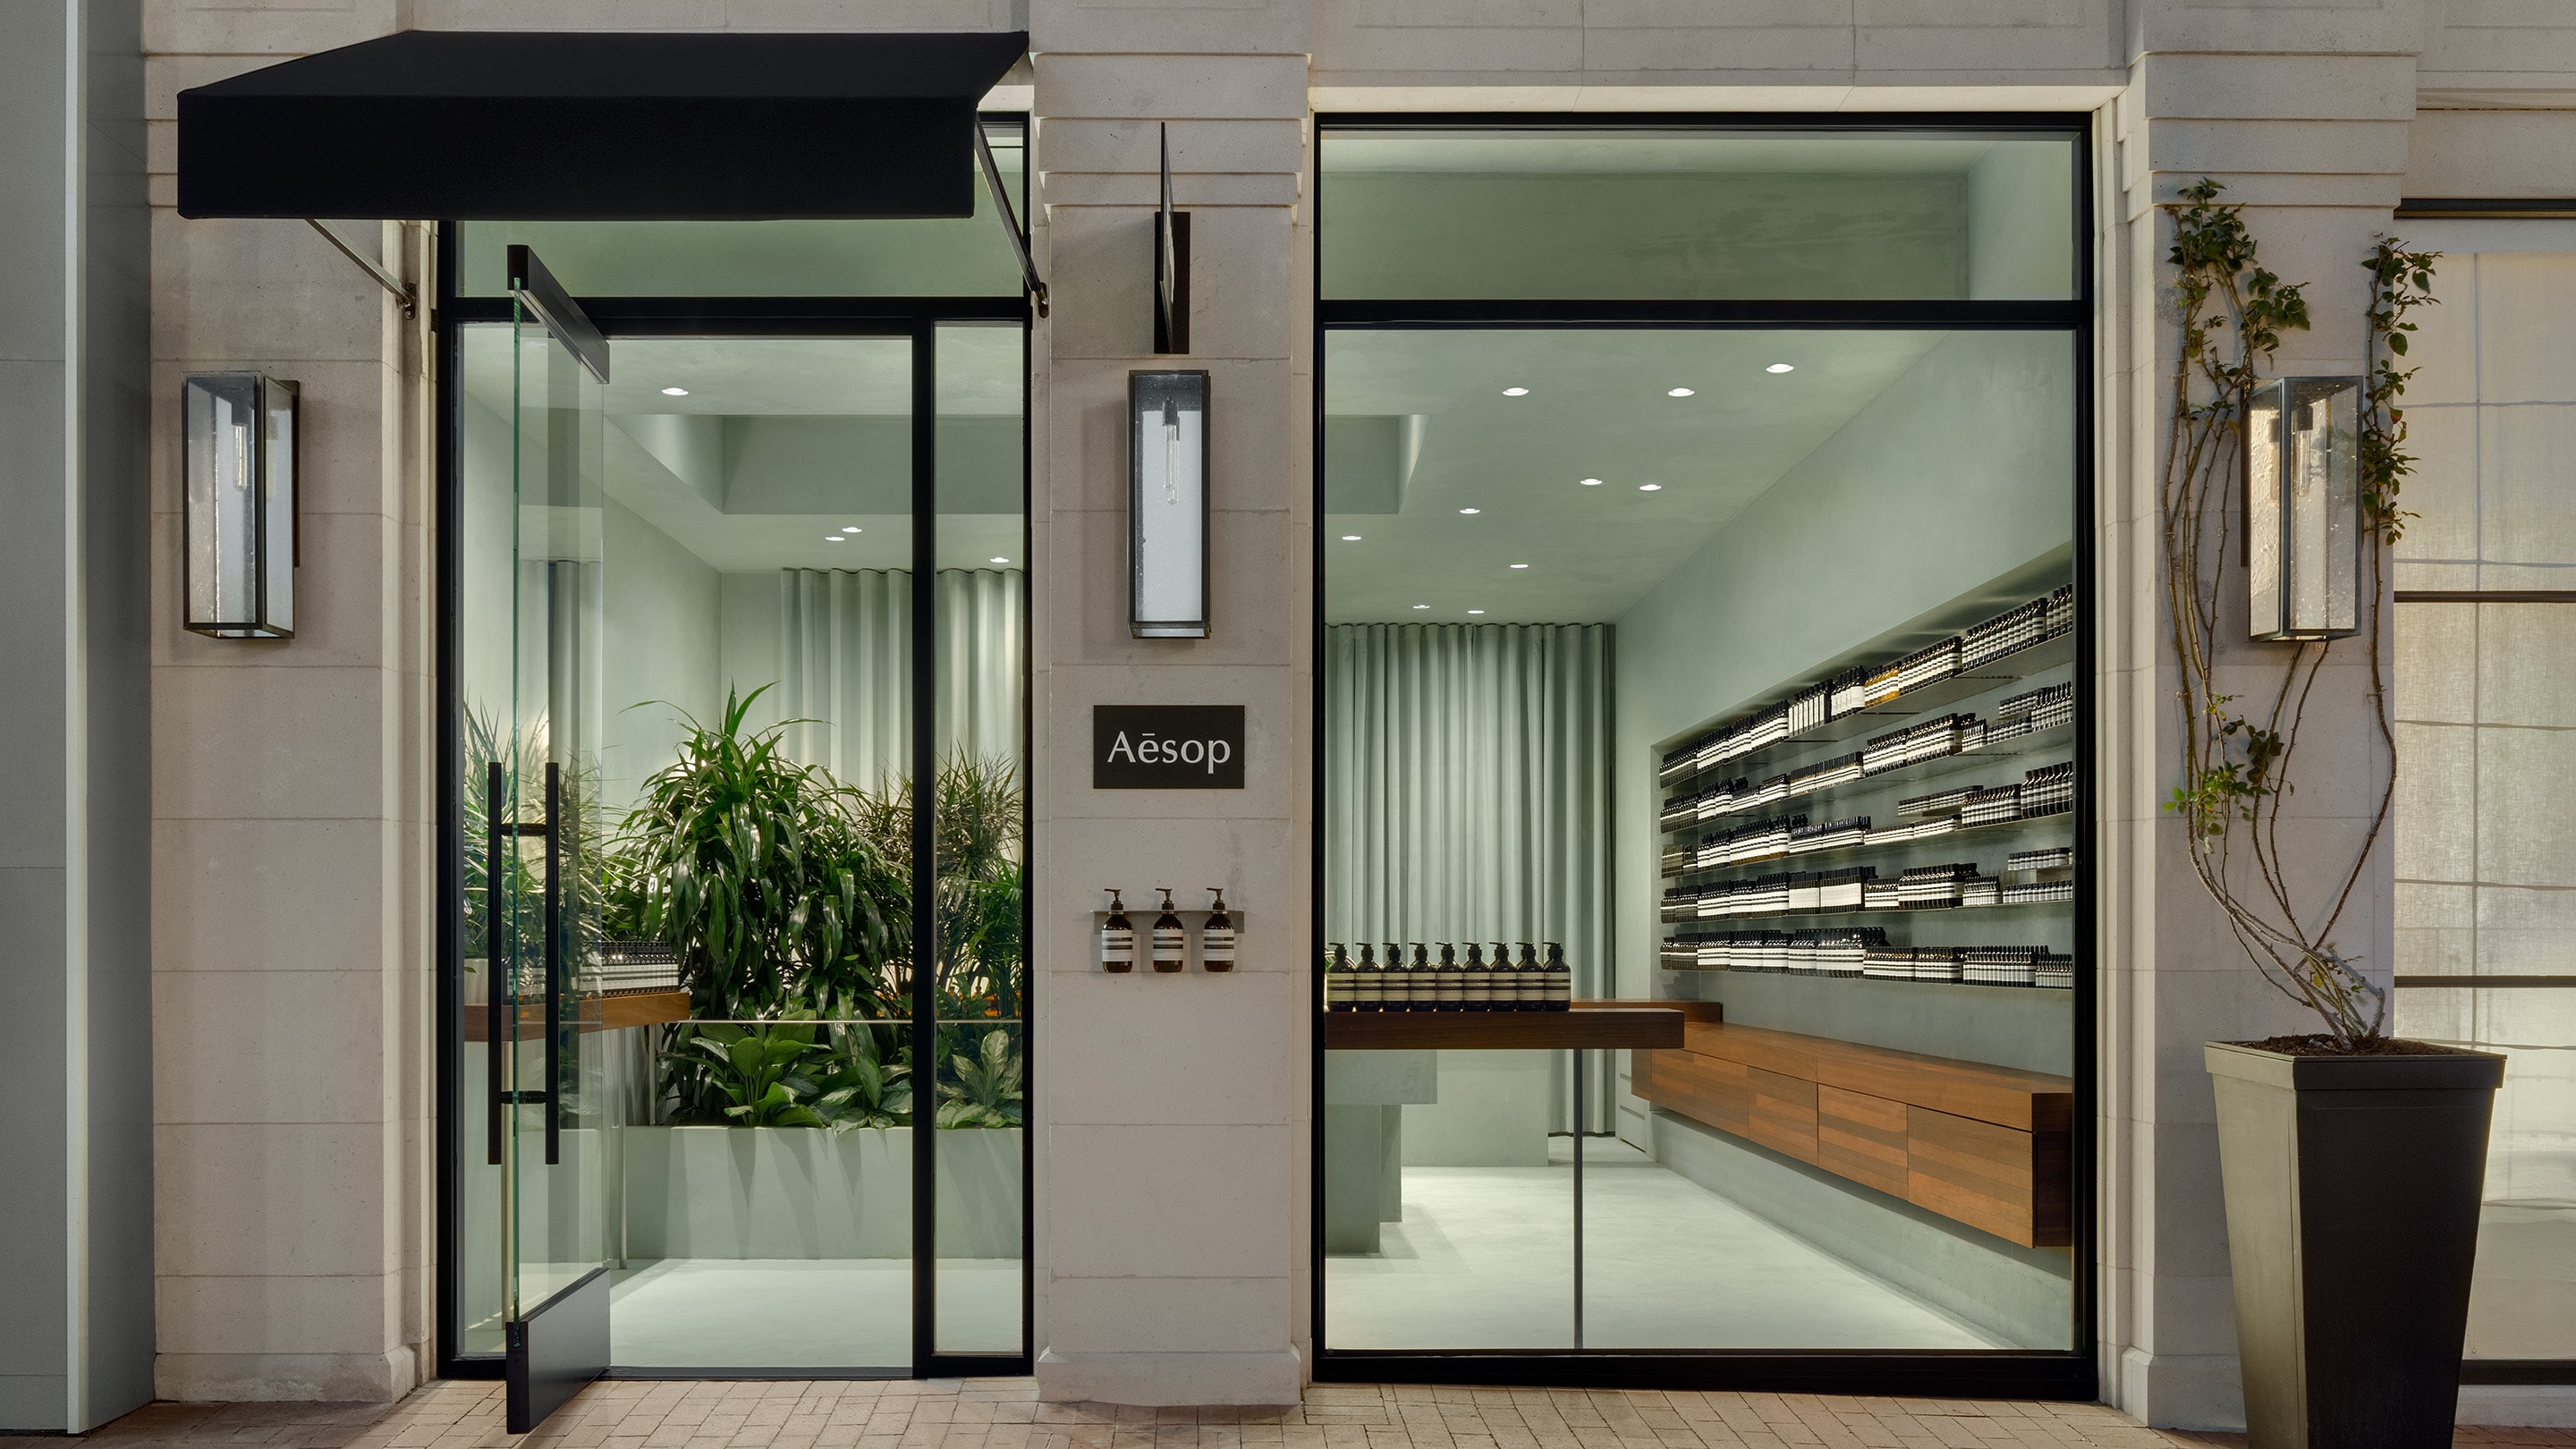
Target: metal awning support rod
1010	219
403	291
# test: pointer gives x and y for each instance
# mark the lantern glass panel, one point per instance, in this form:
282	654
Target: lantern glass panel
2303	507
239	469
1168	504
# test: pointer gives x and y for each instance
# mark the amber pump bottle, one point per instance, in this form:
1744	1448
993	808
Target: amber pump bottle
1216	937
1171	943
1118	936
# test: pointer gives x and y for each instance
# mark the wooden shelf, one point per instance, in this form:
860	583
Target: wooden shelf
1984	1145
1590	1026
594	1013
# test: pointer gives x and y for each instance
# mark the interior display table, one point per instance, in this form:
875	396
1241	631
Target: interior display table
1364	1103
599	1013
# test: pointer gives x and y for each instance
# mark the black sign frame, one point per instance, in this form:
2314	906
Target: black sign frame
1167	747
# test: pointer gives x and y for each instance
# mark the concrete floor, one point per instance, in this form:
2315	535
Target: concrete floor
778	1313
1483	1259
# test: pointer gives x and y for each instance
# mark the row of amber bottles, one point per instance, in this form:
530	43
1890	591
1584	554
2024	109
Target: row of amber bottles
1170	939
1478	983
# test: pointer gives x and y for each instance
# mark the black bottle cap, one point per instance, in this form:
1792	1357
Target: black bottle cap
1448	955
1475	956
1366	960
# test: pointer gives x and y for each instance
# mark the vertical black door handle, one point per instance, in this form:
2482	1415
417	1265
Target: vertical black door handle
495	953
554	964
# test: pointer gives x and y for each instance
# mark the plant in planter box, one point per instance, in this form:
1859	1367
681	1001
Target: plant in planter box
757	869
2343	1147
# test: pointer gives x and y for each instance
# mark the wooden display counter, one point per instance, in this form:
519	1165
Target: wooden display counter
1984	1145
597	1013
1590	1026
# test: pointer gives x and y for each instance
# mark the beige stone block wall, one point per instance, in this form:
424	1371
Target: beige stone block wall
1172	1111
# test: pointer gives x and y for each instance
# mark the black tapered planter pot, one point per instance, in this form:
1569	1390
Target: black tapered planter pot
2352	1224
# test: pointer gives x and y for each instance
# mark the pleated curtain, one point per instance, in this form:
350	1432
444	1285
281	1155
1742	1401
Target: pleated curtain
846	668
1468	794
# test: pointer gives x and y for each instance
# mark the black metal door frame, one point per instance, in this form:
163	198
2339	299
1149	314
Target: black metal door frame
917	319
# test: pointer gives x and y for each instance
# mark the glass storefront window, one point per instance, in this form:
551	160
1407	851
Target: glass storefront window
2485	698
1572	577
1672	213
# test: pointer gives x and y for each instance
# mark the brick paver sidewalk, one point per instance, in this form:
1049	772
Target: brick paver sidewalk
1006	1414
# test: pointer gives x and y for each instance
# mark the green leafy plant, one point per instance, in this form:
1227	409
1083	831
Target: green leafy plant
2236	765
752	1067
983	1090
858	1084
756	869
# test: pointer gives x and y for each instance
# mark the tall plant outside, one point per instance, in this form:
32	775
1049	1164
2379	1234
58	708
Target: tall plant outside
2237	754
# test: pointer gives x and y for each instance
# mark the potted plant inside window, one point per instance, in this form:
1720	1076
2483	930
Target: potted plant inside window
2352	1160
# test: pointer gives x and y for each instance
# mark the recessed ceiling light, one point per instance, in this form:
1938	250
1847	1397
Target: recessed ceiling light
1475	611
1350	538
997	560
1780	367
850	528
1507	392
675	392
1679	392
1422	606
1591	482
1520	566
832	538
1650	487
1471	510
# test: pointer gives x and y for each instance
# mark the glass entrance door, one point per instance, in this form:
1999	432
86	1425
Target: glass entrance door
755	606
542	810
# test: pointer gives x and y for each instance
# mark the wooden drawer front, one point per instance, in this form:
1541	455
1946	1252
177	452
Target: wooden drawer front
1784	1114
1719	1093
1862	1138
1983	1175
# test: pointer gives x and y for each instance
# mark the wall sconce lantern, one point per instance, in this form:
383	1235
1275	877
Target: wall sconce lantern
239	561
1167	503
2303	524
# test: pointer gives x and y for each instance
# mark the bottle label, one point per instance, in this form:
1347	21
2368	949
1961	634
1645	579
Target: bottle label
1217	940
1169	944
1117	945
1451	990
1337	991
1369	989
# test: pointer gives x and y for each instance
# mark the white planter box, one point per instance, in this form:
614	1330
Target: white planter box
797	1192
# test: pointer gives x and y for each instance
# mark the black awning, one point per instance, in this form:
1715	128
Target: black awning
532	126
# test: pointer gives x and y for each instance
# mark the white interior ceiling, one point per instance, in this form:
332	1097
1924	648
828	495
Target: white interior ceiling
978	377
1597	406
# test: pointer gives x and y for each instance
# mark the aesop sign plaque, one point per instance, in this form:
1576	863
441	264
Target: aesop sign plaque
1167	747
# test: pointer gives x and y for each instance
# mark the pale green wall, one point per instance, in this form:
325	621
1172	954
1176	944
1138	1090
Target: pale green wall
1962	470
1649	234
661	649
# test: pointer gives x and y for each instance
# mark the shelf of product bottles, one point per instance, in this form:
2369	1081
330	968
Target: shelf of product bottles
2031	741
1451	985
1587	1026
1907	739
1878	840
2053	652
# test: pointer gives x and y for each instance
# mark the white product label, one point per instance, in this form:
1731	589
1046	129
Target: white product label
1118	944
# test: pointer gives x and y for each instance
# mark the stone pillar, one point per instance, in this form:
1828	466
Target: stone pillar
75	799
292	828
1172	1110
2303	114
